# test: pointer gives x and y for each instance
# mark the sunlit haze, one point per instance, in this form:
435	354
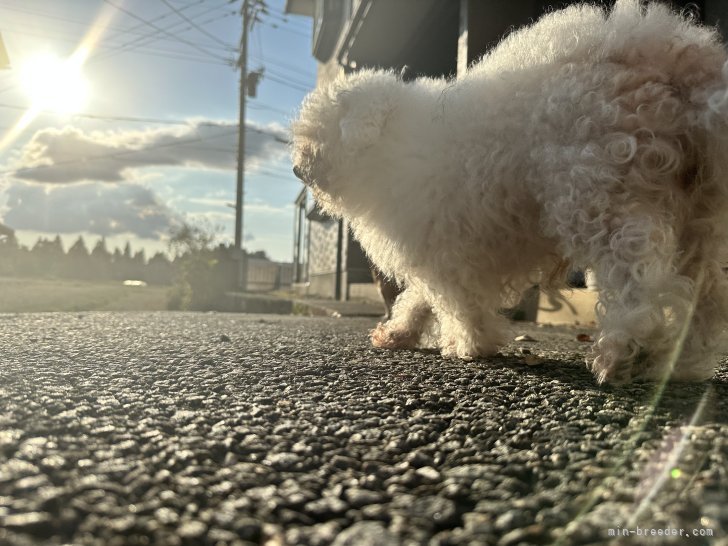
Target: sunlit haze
54	84
118	119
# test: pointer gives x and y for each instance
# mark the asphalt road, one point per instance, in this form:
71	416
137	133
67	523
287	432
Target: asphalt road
234	429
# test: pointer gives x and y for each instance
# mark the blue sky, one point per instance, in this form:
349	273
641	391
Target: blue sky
153	143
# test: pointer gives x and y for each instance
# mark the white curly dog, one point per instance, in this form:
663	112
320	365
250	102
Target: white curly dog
592	138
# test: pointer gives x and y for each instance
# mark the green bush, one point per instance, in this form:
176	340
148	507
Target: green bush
197	284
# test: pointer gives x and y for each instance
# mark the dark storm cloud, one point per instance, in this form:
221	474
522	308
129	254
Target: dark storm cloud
103	209
68	155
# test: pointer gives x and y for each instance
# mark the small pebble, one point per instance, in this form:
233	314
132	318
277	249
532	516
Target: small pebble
533	360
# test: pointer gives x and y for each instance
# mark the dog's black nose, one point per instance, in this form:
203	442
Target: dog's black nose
297	171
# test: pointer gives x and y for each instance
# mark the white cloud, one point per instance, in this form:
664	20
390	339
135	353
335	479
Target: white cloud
61	156
103	209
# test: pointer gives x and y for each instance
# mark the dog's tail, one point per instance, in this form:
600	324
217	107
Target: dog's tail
716	113
711	152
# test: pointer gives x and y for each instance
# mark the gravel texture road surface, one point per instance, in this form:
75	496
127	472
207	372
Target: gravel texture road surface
144	428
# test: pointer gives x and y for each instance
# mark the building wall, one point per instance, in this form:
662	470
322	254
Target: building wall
323	236
322	258
357	263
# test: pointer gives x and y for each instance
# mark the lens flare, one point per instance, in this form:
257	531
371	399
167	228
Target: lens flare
57	85
54	84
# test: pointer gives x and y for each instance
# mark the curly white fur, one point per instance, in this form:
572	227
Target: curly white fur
590	138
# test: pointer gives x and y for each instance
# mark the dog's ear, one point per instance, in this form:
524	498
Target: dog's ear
362	125
365	111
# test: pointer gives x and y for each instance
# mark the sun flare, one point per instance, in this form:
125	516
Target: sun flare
55	84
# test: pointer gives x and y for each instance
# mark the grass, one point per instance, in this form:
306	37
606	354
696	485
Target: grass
38	295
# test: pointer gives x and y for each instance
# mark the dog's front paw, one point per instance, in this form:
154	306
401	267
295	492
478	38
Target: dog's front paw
617	363
385	336
453	351
465	349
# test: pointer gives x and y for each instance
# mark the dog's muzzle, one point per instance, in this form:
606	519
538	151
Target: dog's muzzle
310	170
298	172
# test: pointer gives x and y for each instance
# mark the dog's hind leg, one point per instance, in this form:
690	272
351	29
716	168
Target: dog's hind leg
411	315
644	302
705	336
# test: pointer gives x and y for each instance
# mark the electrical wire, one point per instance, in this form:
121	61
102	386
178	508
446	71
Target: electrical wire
112	28
297	87
162	30
134	45
151	37
261	106
122	153
284	29
112	48
285	66
114	155
108	117
197	27
129	46
294	81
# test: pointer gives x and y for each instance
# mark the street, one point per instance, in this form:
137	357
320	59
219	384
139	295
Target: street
185	428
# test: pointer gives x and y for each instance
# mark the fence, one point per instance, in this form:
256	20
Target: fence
264	275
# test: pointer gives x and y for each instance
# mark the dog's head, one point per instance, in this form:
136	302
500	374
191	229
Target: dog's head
336	125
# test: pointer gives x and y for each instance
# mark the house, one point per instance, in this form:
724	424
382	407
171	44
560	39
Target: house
418	38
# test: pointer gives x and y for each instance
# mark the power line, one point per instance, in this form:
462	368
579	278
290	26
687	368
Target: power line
133	45
284	29
261	106
162	30
165	121
104	117
144	39
110	28
150	37
297	87
289	67
113	48
307	84
283	18
196	26
113	155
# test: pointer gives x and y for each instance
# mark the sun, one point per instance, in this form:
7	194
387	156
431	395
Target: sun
54	84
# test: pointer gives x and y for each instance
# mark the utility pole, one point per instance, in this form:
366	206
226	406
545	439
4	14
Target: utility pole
243	64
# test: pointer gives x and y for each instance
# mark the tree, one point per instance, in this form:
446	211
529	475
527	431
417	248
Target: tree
260	254
159	270
9	255
47	257
101	266
138	264
79	248
123	265
78	260
197	265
